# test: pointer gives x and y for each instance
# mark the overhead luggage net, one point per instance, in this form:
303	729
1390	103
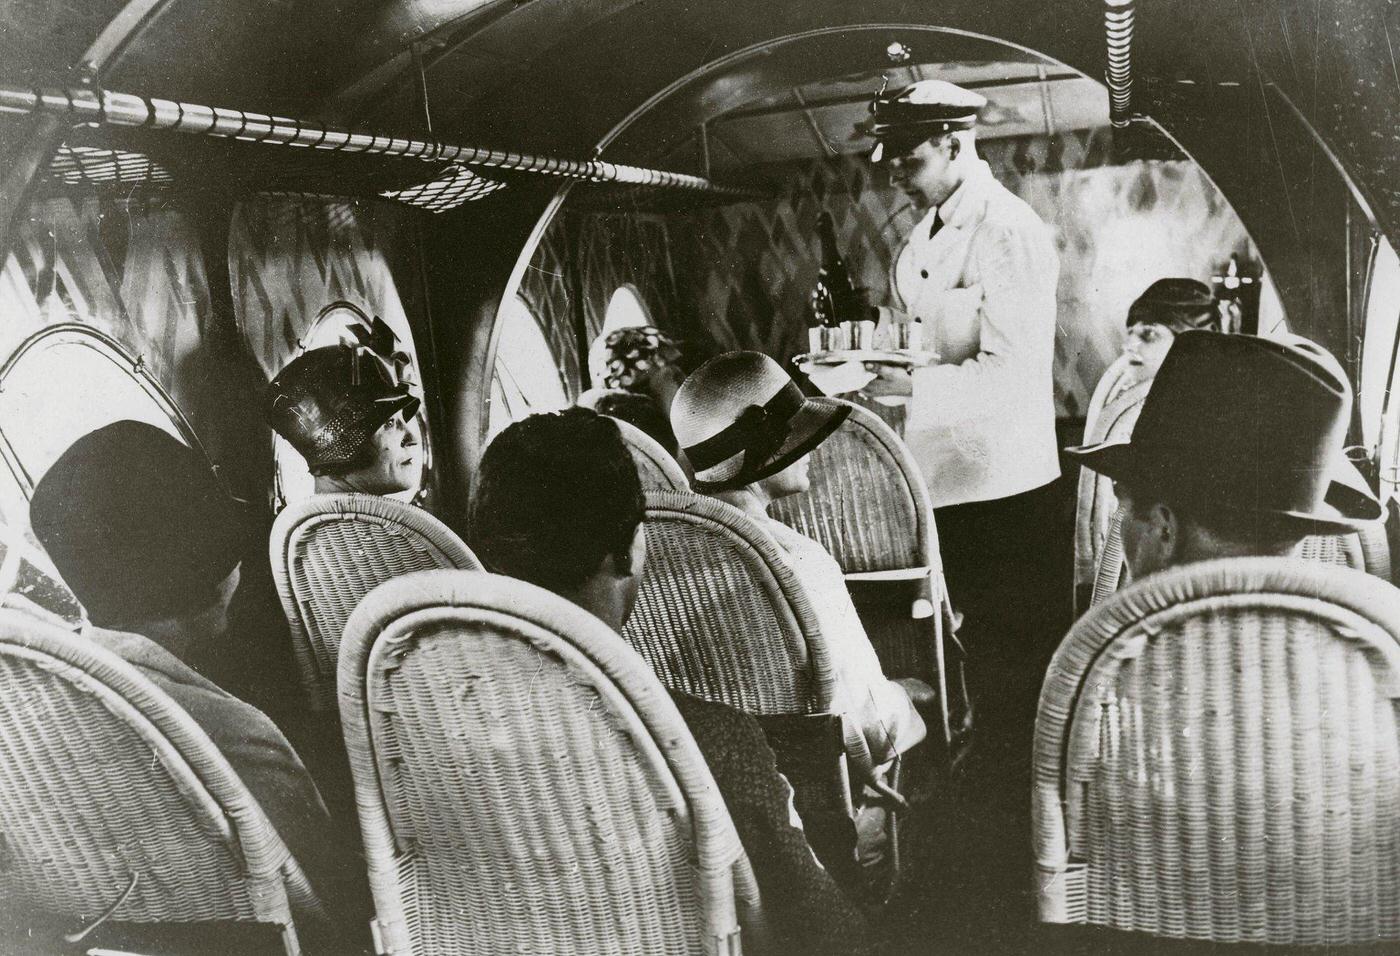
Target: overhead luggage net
451	184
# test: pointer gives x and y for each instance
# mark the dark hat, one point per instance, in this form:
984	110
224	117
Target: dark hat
328	402
740	418
905	118
137	523
1178	303
1236	423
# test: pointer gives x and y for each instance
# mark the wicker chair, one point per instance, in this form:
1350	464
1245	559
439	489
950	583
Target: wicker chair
524	783
869	506
721	616
1217	757
114	804
329	551
1096	503
655	465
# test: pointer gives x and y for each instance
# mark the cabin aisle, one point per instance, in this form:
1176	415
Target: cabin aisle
968	862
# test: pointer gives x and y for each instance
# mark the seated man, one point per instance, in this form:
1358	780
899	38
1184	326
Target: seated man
747	430
558	503
149	542
342	411
1237	452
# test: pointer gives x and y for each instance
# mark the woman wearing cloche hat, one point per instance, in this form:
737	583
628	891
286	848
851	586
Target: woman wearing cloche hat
747	431
342	409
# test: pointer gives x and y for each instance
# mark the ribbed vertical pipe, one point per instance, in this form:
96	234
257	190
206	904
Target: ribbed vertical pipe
1118	27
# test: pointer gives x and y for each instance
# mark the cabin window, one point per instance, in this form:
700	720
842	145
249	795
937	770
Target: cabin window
1380	372
526	376
60	384
342	323
67	381
626	310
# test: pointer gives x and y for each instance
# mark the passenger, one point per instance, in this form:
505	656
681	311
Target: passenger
148	540
643	361
342	410
747	430
558	503
634	409
1165	309
1237	452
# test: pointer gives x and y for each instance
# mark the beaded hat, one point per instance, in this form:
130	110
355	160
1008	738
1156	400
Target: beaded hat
328	402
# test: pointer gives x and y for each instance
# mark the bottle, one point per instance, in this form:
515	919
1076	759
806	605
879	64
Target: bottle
834	299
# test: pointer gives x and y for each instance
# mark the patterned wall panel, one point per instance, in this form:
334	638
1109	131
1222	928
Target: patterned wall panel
134	271
289	258
739	276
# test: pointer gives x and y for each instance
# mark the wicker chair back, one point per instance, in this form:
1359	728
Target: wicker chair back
329	551
655	466
720	614
1096	503
524	783
868	504
1217	757
113	800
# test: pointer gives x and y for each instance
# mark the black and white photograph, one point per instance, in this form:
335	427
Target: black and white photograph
699	477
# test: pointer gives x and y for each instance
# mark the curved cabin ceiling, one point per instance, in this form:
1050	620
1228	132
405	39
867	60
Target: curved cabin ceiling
558	75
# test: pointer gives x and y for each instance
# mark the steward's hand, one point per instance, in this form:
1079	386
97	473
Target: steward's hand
889	380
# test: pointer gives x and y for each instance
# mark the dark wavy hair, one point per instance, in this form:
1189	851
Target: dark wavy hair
554	495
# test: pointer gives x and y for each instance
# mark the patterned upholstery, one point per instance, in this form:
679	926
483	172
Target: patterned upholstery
1217	757
329	551
135	810
525	784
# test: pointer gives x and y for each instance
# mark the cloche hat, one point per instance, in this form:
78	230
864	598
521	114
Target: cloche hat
328	402
740	418
1178	303
1242	424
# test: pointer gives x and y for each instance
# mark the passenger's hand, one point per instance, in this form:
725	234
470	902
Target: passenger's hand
889	380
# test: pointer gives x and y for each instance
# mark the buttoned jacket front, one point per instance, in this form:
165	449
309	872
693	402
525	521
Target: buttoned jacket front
981	421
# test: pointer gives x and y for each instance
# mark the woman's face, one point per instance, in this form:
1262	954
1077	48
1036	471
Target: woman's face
1147	346
398	459
792	480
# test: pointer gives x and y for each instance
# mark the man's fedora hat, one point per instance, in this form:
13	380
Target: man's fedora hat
1241	424
740	418
328	402
903	119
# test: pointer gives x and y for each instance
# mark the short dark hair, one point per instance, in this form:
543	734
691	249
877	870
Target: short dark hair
1261	533
641	411
554	496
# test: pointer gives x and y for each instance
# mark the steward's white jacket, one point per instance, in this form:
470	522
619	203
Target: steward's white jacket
981	422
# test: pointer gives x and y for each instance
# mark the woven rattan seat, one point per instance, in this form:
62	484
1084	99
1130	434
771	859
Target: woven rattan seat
655	465
525	784
720	614
868	504
105	784
329	551
1217	757
1096	503
869	507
